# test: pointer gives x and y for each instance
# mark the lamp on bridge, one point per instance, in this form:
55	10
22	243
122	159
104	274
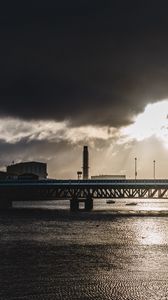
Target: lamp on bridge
154	164
135	168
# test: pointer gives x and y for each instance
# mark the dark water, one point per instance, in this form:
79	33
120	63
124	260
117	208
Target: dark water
109	253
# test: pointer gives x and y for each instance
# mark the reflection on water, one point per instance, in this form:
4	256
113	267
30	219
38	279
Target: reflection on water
151	233
121	205
51	253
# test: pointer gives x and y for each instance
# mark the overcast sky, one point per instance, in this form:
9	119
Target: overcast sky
77	73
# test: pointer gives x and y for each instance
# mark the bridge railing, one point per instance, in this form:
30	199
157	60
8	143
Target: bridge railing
83	182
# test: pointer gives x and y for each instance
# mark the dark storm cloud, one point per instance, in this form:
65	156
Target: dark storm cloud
83	61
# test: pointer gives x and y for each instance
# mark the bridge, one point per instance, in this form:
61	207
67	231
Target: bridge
77	191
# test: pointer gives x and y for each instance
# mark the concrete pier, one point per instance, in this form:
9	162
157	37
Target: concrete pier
88	204
74	204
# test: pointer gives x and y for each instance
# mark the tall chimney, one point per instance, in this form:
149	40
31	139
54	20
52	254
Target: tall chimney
85	162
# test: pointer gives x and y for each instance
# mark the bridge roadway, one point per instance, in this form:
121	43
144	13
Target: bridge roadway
80	190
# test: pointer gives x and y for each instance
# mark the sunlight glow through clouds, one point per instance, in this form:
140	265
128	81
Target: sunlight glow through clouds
152	122
13	130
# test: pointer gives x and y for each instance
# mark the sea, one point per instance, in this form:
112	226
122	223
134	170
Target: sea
115	252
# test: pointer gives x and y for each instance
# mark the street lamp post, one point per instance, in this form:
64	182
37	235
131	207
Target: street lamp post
135	168
154	162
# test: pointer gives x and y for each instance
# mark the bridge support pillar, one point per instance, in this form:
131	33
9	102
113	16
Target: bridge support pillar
74	204
88	204
5	204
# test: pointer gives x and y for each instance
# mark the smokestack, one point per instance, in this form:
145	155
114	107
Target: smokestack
85	162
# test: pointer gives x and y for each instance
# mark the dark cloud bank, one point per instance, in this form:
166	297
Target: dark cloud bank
83	61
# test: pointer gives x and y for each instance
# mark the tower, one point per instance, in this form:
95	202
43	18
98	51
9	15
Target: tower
85	162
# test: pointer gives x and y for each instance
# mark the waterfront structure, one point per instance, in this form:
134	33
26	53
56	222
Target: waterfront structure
108	177
77	191
35	168
85	162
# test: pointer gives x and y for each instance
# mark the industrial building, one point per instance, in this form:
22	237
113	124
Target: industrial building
3	175
108	177
26	168
85	162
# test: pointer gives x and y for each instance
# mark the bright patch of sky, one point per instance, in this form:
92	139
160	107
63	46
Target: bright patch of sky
153	122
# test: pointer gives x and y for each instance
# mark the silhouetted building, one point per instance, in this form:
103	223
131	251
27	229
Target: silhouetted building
23	169
3	175
85	162
28	176
108	177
